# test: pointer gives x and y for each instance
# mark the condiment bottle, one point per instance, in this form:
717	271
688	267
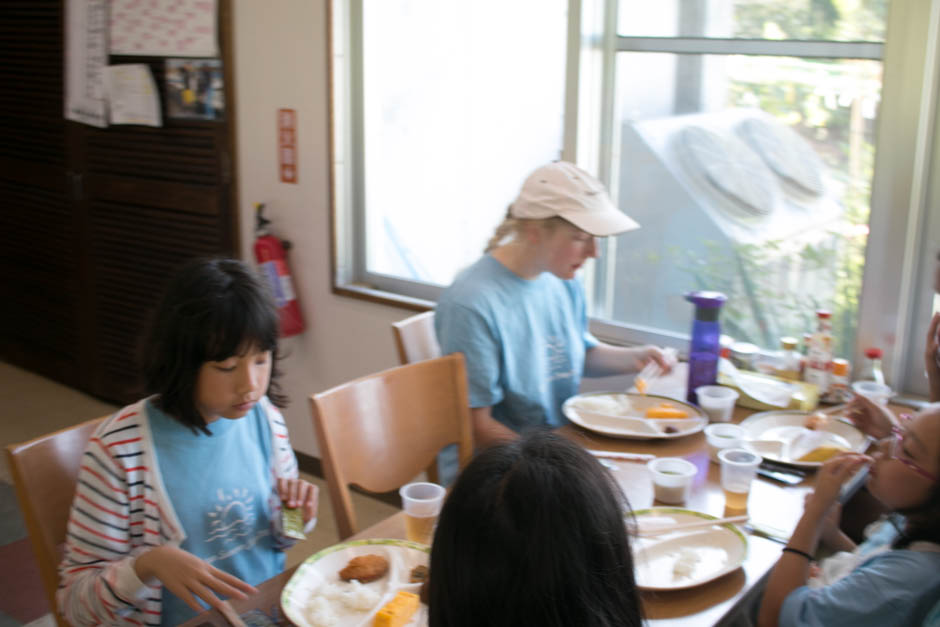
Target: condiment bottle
819	353
871	370
790	359
838	382
706	341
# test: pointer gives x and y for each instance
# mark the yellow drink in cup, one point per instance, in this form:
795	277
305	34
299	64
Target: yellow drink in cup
738	467
422	503
736	500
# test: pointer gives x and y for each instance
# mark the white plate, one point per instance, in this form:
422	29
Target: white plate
785	425
322	568
708	552
633	425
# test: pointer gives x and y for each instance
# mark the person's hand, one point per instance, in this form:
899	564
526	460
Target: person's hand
653	354
829	480
299	493
870	417
189	577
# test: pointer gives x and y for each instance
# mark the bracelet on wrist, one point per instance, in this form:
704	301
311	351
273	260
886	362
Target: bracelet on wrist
790	549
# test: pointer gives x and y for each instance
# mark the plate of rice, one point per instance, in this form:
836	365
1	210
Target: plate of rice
684	558
316	596
634	416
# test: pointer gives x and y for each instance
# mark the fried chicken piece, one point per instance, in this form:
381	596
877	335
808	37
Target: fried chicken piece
365	568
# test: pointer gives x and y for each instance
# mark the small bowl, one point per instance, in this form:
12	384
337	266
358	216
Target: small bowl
672	479
873	391
723	435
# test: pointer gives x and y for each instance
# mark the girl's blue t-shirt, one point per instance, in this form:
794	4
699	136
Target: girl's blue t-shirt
223	490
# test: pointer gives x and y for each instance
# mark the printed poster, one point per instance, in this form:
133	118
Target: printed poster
164	28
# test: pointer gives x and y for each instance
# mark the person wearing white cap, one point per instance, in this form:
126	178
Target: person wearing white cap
518	314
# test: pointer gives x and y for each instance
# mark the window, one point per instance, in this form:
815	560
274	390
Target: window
741	134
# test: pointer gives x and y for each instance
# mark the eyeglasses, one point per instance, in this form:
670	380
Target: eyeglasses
889	446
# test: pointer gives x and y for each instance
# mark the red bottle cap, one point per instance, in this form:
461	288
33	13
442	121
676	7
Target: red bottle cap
873	353
824	314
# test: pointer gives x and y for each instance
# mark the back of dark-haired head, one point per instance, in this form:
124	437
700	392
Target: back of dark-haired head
533	533
211	310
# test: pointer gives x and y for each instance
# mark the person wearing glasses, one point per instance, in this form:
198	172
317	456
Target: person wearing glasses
895	579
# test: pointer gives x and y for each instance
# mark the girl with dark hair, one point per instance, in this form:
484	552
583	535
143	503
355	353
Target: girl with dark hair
533	533
179	496
894	580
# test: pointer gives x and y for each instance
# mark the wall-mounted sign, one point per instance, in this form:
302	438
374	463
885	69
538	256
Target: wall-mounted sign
287	144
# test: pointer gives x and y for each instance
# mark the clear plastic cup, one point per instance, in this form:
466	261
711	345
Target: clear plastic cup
717	401
723	435
672	479
874	391
422	503
738	467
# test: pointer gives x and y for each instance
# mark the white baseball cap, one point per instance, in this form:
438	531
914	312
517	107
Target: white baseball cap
563	189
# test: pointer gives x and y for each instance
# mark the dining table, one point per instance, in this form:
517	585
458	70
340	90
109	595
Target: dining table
773	509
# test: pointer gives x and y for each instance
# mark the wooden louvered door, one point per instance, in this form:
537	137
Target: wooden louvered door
39	242
136	203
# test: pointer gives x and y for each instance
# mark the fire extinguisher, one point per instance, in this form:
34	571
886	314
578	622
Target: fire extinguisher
271	255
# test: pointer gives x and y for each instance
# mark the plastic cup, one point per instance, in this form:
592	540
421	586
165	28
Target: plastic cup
723	435
873	391
672	479
738	467
717	401
422	503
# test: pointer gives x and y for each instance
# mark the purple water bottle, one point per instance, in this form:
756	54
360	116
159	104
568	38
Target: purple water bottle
706	341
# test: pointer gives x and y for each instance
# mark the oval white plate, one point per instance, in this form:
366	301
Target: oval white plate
710	552
783	425
634	426
321	568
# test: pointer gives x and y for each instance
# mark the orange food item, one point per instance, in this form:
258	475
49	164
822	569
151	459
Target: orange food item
398	611
640	385
666	410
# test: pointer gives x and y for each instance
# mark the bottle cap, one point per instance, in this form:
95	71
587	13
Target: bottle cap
706	299
788	343
825	314
840	367
873	353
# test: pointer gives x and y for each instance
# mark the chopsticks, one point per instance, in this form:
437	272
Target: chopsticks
655	531
630	457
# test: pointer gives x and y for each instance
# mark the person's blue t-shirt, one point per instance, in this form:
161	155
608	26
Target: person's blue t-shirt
222	488
524	341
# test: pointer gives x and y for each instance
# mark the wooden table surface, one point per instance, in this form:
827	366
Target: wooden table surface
770	504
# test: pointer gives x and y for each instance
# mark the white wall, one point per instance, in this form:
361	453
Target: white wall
281	58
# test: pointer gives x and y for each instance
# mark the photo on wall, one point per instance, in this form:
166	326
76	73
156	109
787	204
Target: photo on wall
195	89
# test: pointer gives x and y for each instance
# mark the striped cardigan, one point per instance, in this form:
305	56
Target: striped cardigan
121	509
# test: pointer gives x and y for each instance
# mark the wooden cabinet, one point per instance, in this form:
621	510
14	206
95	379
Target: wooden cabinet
93	221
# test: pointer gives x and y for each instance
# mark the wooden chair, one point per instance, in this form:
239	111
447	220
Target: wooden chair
415	338
44	472
380	431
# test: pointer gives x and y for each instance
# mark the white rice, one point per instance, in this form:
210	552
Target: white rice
359	597
320	612
685	564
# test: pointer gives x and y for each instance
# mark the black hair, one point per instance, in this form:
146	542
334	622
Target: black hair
533	533
211	310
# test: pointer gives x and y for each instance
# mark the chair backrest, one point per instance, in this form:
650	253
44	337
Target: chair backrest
415	338
44	472
380	431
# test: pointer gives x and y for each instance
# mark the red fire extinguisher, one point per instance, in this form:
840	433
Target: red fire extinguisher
271	255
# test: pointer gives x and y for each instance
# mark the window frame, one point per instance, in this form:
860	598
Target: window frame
901	184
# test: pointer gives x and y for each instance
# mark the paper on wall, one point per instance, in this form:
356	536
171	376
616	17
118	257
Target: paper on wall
132	95
164	28
86	54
